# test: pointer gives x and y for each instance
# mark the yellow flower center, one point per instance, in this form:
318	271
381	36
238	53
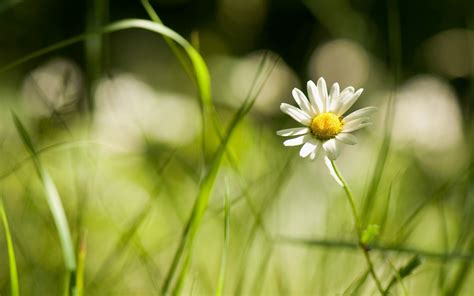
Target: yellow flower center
326	125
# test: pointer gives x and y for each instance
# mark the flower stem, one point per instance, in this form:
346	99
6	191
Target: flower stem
358	227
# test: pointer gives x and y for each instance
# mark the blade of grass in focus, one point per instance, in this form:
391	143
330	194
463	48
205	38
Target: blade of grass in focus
15	288
53	199
223	267
205	189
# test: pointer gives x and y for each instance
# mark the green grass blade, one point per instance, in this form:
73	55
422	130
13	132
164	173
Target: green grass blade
200	205
262	271
404	271
223	267
94	48
349	245
205	189
55	204
200	68
52	198
15	287
357	284
81	264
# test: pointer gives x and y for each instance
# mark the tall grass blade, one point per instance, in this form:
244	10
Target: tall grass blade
404	272
15	287
53	199
202	200
96	17
262	271
223	267
81	265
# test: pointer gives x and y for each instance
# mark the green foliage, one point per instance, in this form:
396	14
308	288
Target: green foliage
15	287
404	271
52	197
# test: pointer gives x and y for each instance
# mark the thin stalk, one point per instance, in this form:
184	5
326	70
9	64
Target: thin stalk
358	227
348	245
225	250
81	262
15	288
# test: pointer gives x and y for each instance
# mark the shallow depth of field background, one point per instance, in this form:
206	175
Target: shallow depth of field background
119	129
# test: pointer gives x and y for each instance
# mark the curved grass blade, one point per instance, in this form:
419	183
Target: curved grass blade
53	199
200	68
15	287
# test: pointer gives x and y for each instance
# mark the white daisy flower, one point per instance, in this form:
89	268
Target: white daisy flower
324	125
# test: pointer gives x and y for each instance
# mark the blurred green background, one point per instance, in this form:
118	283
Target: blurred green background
117	123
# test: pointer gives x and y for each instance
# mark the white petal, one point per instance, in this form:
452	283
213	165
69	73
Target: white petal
332	148
337	103
315	153
352	129
297	114
314	99
308	147
333	173
347	90
333	95
302	101
297	131
347	138
323	94
347	103
360	113
296	141
335	90
349	124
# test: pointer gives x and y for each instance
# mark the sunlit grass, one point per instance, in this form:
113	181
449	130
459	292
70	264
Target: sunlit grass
231	212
